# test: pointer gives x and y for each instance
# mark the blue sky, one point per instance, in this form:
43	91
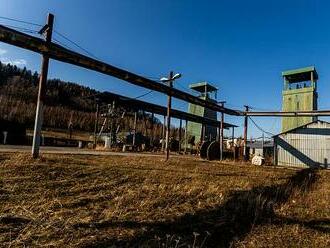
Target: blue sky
239	46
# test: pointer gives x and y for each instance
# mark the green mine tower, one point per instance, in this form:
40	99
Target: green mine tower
299	94
206	92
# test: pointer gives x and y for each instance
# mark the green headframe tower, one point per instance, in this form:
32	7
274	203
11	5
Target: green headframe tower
209	93
299	94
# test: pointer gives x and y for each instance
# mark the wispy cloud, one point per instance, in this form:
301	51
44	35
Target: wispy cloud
2	51
4	58
18	62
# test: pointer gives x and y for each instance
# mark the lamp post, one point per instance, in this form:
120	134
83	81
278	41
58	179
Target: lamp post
169	81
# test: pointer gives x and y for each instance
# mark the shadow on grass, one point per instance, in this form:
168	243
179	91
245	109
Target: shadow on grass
224	224
320	225
12	224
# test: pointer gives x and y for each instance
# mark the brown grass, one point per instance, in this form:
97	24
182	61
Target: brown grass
91	201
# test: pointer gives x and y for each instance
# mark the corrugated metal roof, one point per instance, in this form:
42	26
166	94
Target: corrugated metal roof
302	126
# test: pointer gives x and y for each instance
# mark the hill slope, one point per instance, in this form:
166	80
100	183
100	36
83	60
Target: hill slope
66	102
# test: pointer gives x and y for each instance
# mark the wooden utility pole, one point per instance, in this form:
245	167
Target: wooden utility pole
134	134
233	142
96	123
152	133
233	134
245	134
163	134
180	135
263	143
48	31
221	131
168	125
186	137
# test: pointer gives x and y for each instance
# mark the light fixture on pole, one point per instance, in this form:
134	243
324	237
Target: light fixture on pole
169	80
165	79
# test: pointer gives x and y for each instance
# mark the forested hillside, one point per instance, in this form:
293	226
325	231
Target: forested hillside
65	102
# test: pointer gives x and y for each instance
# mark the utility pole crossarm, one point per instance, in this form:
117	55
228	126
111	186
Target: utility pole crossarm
60	53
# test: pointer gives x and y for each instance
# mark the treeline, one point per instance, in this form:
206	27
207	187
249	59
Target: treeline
67	104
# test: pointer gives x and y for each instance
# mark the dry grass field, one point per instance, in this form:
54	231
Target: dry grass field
91	201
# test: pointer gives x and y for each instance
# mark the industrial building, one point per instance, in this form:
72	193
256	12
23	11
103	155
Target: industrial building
304	146
304	141
299	94
197	130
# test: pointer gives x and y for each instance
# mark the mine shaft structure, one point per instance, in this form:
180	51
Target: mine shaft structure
200	131
299	94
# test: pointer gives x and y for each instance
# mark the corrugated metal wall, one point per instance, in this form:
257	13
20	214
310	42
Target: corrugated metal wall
305	147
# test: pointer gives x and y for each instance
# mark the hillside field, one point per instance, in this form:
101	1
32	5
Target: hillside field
141	201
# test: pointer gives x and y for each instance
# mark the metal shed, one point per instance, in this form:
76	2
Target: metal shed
304	146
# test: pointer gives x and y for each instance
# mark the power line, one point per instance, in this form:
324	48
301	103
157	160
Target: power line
145	94
22	29
71	41
21	21
76	44
100	93
62	44
39	25
261	129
